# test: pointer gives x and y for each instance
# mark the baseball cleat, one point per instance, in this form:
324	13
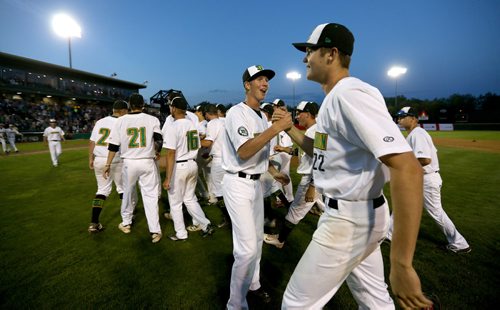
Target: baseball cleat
273	240
167	215
155	237
454	249
208	231
224	223
95	228
260	294
125	228
194	227
175	238
270	223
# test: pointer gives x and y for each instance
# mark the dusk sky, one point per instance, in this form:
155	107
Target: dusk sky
202	47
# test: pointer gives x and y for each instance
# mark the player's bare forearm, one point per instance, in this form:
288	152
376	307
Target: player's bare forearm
169	168
303	141
91	154
407	201
278	176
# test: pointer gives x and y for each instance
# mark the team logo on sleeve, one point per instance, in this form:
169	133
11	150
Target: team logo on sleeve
242	131
388	139
320	140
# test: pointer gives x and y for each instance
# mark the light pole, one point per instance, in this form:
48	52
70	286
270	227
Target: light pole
394	73
66	27
293	76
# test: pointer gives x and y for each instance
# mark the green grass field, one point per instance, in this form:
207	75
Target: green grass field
50	261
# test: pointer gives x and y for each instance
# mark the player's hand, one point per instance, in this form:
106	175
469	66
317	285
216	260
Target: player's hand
91	164
106	172
406	288
282	119
310	194
282	178
166	184
279	148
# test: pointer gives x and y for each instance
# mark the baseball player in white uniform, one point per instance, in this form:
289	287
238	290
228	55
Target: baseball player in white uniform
138	137
98	154
284	143
182	145
356	148
426	153
52	136
213	141
168	122
245	154
2	138
306	195
11	134
270	186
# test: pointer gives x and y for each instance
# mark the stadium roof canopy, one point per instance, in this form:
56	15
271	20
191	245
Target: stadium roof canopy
28	76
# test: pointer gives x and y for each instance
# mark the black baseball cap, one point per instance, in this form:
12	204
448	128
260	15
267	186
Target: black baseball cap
406	111
308	106
120	105
267	107
179	103
253	72
329	35
278	102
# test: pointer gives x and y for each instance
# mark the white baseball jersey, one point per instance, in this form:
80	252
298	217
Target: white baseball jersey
11	133
100	133
215	133
53	134
183	138
133	132
245	124
202	127
306	161
169	121
423	147
353	131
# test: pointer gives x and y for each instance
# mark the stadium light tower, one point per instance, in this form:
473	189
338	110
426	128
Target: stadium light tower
66	27
395	73
293	76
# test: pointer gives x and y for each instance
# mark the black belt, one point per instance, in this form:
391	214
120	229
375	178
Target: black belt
249	176
377	202
183	161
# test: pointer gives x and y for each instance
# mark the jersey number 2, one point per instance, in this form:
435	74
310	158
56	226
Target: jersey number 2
137	137
318	159
105	134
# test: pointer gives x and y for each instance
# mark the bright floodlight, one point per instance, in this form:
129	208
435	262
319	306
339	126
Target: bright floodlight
65	26
293	75
395	72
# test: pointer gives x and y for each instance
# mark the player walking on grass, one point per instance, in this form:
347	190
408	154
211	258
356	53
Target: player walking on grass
306	195
137	136
355	149
52	136
426	153
98	154
182	145
245	157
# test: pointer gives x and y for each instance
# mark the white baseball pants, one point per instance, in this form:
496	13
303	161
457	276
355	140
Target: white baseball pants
299	207
345	247
143	171
55	151
245	204
433	206
215	177
104	186
182	190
